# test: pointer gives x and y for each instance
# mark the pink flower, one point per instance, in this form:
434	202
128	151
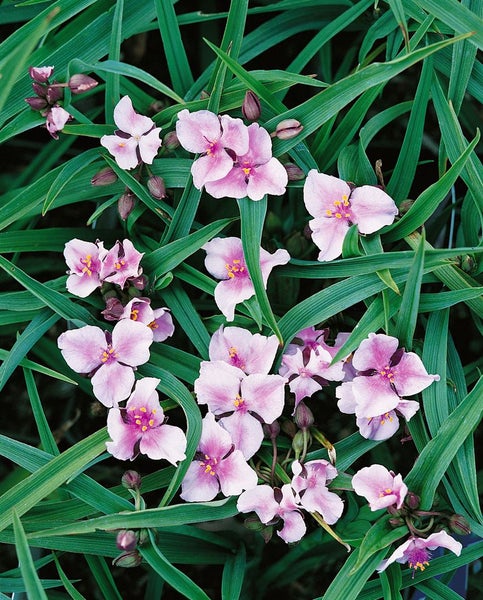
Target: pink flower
274	505
250	352
243	401
137	138
336	206
216	138
417	551
310	484
57	117
121	262
225	260
141	427
380	487
159	320
109	358
84	260
254	173
217	466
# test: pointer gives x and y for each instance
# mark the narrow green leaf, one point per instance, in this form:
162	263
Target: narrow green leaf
33	584
398	10
113	87
45	434
103	577
436	590
233	574
380	535
73	593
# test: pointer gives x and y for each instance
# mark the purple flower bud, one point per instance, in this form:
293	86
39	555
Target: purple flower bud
458	524
271	430
289	428
36	103
39	89
287	129
140	282
128	560
126	540
81	83
412	500
125	204
113	310
40	74
170	141
294	172
131	480
304	417
53	94
156	187
105	176
251	109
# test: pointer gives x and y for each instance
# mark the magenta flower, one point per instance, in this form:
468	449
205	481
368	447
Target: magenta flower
84	260
140	427
336	206
216	138
225	260
273	505
380	487
250	352
108	358
243	401
254	173
137	138
121	262
159	320
218	466
417	551
56	119
310	482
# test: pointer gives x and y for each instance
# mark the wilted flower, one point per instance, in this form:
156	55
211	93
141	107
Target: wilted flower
137	138
158	320
380	487
57	117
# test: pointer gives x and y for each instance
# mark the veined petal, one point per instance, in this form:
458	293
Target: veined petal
235	474
372	208
233	185
218	386
220	252
381	427
264	395
211	167
198	130
112	383
149	144
411	376
82	285
234	135
321	191
124	150
347	401
259	499
82	348
198	485
245	431
375	352
268	261
231	292
269	178
130	121
162	324
328	235
131	340
123	437
215	441
164	441
374	396
294	527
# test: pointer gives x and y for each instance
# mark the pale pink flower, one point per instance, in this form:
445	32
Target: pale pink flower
380	487
159	320
57	117
250	352
121	262
254	173
218	466
225	260
336	206
310	482
84	260
216	138
109	358
243	401
137	138
272	505
417	551
140	427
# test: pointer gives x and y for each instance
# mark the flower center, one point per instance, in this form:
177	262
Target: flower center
134	314
303	372
153	325
341	209
236	269
142	418
212	148
239	403
387	373
418	558
235	359
119	264
87	261
109	355
386	492
208	465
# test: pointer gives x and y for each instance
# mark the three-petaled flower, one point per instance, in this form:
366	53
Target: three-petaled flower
380	487
84	260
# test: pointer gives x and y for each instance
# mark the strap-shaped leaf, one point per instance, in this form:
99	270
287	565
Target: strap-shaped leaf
33	585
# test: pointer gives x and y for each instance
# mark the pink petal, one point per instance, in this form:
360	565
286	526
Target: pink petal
323	501
264	395
375	352
123	437
210	167
270	178
245	431
218	386
112	383
328	235
408	408
259	499
320	193
442	540
233	185
145	394
235	474
374	396
215	441
347	401
268	261
378	428
131	341
130	121
294	527
260	146
303	387
165	441
197	485
219	252
231	292
82	348
149	145
411	376
162	325
82	285
197	130
235	135
372	208
124	150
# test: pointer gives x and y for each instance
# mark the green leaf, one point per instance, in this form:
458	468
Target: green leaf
73	593
113	88
380	535
233	575
33	585
45	434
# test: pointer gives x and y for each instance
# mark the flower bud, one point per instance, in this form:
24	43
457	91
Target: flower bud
271	430
298	443
131	480
140	282
113	310
396	522
125	204
294	172
412	500
36	103
289	428
57	117
127	560
287	129
126	540
143	537
156	187
81	83
304	417
170	141
39	89
40	74
251	109
105	176
468	263
53	94
458	524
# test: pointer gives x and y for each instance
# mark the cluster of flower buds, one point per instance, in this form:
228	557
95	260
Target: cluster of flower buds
48	95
